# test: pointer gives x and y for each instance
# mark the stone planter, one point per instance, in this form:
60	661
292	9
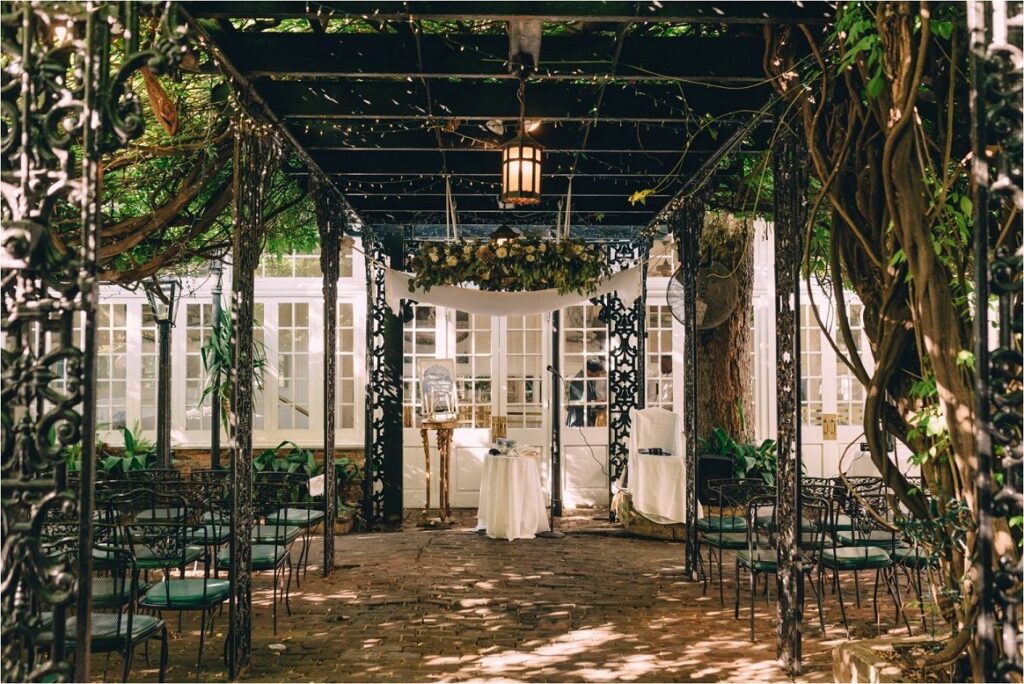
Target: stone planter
871	660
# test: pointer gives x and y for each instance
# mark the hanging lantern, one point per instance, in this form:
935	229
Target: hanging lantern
520	171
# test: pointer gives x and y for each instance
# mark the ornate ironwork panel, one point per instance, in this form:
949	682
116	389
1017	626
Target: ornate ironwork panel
383	392
625	355
256	157
59	102
687	227
789	173
330	221
996	60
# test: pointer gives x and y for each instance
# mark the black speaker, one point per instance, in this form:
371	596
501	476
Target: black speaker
711	467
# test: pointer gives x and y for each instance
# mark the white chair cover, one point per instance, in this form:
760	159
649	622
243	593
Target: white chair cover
657	483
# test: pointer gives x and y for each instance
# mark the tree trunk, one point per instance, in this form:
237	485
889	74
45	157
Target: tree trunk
724	369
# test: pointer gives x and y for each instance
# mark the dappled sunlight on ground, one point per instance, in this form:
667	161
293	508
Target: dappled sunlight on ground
456	606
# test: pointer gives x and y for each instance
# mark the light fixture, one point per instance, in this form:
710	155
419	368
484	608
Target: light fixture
163	296
520	171
521	159
503	234
532	125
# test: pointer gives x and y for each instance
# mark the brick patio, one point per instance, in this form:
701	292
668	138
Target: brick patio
453	605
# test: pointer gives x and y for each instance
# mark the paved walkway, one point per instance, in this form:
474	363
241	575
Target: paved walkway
454	605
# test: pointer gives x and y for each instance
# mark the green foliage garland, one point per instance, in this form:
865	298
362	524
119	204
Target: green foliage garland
521	265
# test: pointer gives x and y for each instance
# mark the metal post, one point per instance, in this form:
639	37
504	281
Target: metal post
687	227
215	403
557	388
163	403
256	157
789	172
329	217
996	62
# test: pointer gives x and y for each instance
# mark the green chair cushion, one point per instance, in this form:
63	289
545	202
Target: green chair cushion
725	540
911	557
109	631
264	557
110	593
215	517
279	534
146	559
855	558
725	523
305	517
183	594
843	523
212	533
161	513
764	560
872	538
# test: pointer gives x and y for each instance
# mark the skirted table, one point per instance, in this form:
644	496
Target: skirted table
511	498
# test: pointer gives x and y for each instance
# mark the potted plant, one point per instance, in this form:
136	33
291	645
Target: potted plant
748	460
138	454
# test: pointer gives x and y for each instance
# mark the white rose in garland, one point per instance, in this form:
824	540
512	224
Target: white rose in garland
522	265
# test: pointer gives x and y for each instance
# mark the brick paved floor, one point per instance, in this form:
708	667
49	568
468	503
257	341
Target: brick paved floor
425	605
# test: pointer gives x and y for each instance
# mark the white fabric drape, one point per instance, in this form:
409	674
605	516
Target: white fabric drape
511	499
626	283
657	483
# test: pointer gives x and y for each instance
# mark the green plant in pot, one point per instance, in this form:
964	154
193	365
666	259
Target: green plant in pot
749	460
138	454
296	459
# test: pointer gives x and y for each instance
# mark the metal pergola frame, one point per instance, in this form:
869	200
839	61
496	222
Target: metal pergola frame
43	290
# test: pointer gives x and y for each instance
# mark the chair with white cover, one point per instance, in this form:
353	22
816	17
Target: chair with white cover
657	482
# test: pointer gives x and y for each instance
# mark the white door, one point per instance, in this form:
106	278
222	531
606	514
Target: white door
584	418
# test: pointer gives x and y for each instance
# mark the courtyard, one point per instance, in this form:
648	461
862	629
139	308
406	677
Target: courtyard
521	341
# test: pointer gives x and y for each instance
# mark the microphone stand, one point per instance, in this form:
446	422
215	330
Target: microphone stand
552	533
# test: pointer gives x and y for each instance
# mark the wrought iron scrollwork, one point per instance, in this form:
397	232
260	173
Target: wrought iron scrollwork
687	228
997	62
789	172
625	356
256	157
330	218
59	102
382	391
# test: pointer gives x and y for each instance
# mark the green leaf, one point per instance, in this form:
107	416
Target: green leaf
943	29
874	86
965	357
966	206
936	425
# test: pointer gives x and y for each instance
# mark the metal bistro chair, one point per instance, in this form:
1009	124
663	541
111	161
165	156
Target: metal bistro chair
299	511
868	547
725	528
115	628
760	557
171	545
272	540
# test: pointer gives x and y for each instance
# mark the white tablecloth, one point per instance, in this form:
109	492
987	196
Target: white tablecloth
511	498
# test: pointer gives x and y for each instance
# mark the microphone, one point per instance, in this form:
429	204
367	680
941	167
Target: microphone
551	369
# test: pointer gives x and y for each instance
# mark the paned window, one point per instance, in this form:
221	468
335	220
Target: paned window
346	379
293	366
810	367
198	328
850	393
585	366
419	342
473	369
112	367
149	369
525	376
659	357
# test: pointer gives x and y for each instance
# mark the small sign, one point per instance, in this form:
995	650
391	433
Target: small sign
437	388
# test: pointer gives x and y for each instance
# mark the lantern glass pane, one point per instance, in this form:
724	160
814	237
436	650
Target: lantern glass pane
536	179
513	176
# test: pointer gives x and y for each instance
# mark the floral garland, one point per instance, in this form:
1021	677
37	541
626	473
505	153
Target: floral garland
520	265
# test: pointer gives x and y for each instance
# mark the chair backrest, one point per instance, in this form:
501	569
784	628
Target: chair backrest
270	499
154	474
144	504
657	428
210	475
759	516
814	523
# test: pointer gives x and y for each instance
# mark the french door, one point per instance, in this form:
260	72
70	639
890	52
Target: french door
500	375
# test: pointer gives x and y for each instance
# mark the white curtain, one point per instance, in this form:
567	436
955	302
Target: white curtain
626	283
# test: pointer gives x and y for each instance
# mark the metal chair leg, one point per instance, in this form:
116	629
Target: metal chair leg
842	606
128	654
736	608
163	654
753	585
878	614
